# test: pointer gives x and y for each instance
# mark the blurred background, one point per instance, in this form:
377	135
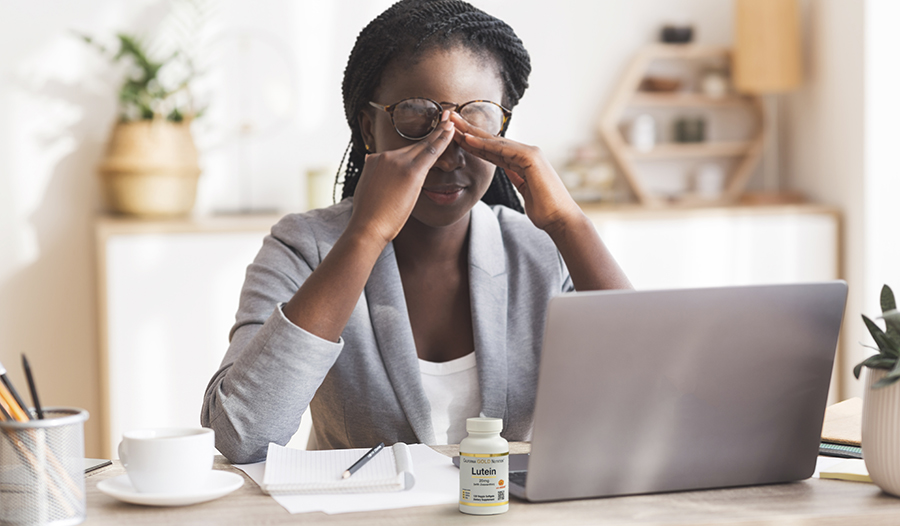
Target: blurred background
111	307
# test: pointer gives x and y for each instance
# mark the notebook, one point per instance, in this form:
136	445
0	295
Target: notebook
654	391
294	471
842	430
843	423
853	469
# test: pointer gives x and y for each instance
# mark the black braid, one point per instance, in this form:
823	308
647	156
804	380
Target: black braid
410	27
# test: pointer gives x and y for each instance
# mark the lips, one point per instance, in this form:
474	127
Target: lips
444	194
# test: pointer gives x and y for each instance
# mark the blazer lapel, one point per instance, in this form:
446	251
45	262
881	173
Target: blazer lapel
488	296
390	322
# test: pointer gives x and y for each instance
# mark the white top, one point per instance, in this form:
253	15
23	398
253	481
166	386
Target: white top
454	395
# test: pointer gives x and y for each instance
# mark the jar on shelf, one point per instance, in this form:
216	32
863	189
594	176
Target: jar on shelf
642	133
690	129
714	83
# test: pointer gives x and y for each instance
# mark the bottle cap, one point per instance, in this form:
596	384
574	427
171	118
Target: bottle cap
484	425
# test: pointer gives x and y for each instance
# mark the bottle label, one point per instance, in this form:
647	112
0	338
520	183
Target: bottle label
483	479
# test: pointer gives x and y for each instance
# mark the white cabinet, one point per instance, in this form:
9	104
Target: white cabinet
707	247
168	294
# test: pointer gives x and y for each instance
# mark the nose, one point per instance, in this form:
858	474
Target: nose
452	159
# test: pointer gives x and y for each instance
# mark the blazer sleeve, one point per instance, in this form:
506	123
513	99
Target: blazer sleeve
272	368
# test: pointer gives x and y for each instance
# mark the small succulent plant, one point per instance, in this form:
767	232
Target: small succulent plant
888	342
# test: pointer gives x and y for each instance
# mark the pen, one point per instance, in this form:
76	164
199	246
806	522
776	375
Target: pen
362	462
33	388
16	399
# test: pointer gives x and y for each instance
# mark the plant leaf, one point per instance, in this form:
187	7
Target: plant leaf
892	323
885	382
876	361
895	371
886	344
887	299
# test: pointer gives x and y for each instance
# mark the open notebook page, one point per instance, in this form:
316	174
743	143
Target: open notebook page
294	471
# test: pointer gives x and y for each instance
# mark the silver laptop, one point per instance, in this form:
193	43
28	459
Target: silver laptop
656	391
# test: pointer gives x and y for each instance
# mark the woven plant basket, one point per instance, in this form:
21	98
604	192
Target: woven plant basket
151	169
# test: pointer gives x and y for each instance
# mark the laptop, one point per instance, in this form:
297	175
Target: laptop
672	390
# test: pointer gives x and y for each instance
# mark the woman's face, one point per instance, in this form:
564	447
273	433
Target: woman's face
458	180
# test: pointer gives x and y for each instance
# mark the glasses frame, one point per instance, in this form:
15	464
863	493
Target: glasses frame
444	106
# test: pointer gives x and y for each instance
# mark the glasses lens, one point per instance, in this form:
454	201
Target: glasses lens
484	115
415	118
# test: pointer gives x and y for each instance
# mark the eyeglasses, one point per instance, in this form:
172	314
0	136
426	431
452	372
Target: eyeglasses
415	118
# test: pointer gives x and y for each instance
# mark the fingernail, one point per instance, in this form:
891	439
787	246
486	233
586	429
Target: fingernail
445	115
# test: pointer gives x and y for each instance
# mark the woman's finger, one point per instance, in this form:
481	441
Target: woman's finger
516	179
427	151
464	126
500	152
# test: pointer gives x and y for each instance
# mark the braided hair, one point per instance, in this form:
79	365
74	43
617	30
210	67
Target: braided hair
413	27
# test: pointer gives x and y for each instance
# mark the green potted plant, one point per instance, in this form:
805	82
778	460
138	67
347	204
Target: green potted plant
881	406
151	166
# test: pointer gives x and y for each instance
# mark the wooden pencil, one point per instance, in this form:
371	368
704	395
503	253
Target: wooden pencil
11	406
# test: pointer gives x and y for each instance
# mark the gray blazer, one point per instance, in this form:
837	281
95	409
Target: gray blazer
366	387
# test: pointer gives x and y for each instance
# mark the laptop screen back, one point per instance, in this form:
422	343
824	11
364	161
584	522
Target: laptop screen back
654	391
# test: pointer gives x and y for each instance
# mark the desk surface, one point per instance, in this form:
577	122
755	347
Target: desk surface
814	501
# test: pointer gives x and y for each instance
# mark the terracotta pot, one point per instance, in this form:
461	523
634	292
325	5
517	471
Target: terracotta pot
881	433
151	169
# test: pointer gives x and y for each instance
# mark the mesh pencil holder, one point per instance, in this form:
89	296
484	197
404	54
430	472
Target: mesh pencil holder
42	469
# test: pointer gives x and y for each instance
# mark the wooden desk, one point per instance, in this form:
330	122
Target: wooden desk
811	502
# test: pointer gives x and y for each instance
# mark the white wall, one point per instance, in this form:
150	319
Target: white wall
825	139
842	149
881	256
55	111
57	103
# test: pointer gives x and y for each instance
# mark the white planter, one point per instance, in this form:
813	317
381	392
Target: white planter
881	432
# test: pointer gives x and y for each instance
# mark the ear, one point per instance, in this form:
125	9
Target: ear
366	125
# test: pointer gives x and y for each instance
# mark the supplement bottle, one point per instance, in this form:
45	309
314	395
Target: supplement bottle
484	468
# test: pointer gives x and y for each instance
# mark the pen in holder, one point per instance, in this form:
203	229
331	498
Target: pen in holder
42	469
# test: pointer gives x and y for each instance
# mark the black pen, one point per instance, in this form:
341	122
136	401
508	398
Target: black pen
12	391
362	462
33	388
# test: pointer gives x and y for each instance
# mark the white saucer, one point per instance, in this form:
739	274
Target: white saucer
220	483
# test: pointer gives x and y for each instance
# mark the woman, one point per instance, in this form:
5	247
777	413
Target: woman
411	304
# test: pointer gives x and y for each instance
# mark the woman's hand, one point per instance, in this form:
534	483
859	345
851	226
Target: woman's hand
391	181
547	202
549	206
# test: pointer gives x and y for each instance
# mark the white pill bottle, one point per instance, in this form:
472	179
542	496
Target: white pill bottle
484	468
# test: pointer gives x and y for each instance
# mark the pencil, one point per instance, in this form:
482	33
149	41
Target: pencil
8	403
33	388
4	414
362	462
12	391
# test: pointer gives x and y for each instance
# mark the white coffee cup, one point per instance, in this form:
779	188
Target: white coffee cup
172	460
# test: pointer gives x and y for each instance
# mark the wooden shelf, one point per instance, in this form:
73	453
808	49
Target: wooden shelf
648	99
628	95
691	150
110	224
686	51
